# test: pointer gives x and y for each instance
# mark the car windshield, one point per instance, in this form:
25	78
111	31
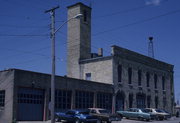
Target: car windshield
147	110
160	111
84	112
103	111
144	110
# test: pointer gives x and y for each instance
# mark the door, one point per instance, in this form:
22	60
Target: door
30	104
120	101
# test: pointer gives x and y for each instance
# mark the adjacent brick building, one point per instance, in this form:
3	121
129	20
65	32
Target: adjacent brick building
138	80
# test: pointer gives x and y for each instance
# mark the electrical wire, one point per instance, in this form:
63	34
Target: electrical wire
21	35
127	11
137	22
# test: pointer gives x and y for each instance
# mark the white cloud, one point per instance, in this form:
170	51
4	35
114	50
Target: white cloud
153	2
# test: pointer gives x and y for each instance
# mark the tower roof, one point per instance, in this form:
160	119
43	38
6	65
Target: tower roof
79	3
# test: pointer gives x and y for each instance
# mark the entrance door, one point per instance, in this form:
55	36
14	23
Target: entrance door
30	104
120	101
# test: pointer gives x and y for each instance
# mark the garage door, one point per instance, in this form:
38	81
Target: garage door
30	104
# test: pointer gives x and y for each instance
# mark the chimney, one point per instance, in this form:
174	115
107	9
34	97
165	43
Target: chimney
100	52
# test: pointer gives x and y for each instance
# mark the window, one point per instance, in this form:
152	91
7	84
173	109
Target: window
129	75
30	98
155	81
119	73
2	98
130	100
140	98
147	79
88	76
85	15
164	102
139	77
84	99
156	102
63	99
104	100
163	83
148	101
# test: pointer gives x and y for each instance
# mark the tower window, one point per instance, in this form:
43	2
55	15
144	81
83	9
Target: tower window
88	76
85	15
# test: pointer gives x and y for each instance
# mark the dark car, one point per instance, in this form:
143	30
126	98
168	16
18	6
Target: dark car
76	116
104	115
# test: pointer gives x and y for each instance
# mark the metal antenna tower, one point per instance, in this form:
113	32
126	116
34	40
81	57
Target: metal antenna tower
150	48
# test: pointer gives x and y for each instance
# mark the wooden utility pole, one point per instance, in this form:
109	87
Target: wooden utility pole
52	12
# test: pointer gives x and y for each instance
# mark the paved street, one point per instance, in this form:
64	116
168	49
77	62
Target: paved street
172	120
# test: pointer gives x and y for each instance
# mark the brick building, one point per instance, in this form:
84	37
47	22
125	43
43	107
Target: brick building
138	80
119	81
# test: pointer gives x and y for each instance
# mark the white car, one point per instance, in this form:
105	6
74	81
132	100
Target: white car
160	114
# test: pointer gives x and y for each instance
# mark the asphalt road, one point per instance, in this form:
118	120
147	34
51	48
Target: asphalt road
172	120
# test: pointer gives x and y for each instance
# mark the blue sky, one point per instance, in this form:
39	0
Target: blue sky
25	28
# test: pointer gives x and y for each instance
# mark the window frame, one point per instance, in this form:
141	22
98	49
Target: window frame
2	98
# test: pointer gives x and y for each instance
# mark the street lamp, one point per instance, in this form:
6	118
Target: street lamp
53	32
78	16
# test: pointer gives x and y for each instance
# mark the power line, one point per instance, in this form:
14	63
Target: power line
24	35
24	17
128	10
137	22
16	26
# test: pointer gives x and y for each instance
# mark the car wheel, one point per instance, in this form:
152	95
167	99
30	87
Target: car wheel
147	119
98	121
140	118
57	119
77	121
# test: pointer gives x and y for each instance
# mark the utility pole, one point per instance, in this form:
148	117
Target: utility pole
52	12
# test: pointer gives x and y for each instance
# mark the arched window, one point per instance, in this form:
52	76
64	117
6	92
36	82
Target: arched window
163	82
147	78
130	100
148	101
155	81
156	102
139	77
130	75
119	73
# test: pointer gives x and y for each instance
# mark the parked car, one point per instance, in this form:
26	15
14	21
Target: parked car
160	114
167	114
104	115
76	116
136	113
